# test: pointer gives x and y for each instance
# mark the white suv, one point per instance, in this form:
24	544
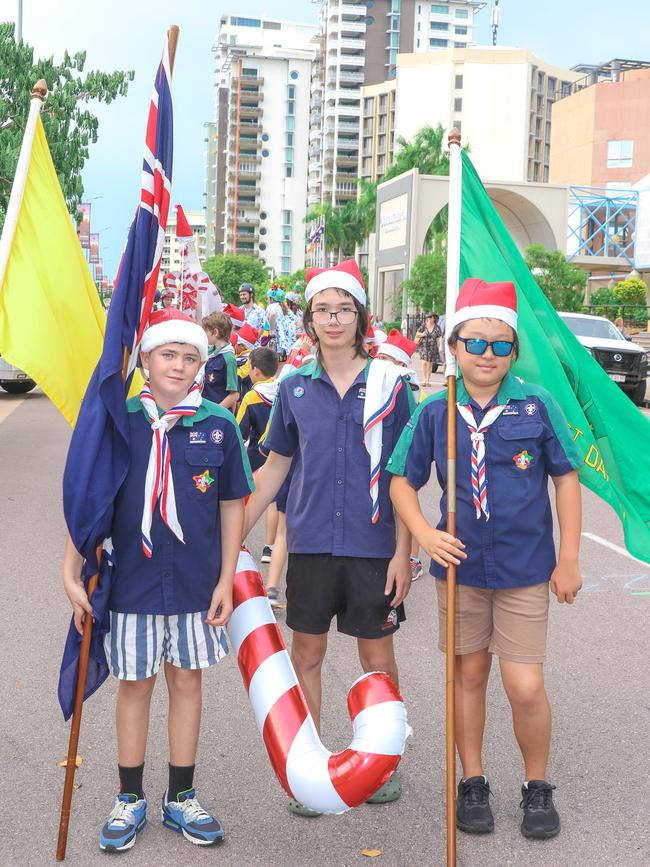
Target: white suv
14	380
624	362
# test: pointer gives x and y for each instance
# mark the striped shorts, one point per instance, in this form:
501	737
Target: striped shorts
136	644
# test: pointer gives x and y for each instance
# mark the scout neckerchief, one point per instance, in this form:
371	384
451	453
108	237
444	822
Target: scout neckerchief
267	389
477	434
384	381
159	482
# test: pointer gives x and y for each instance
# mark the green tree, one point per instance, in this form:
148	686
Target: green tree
229	271
426	153
630	291
426	285
69	125
561	282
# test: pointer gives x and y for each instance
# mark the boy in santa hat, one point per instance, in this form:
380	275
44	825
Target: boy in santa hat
511	436
246	339
220	377
164	611
337	419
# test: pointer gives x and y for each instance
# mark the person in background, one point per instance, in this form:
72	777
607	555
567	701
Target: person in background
618	322
427	338
254	313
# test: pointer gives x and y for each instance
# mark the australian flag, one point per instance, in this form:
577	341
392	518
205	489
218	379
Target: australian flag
98	457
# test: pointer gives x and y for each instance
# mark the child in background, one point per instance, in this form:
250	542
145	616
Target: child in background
246	339
511	436
220	385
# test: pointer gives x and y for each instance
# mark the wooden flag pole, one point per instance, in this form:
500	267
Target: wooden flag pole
84	651
453	269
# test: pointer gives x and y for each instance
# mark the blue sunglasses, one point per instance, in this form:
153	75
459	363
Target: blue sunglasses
478	346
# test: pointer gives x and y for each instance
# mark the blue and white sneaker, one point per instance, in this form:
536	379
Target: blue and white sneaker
187	817
128	816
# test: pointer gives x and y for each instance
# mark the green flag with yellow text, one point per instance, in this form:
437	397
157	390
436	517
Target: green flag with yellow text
612	435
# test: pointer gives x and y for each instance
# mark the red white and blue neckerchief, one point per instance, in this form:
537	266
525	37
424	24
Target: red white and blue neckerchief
477	434
159	482
384	381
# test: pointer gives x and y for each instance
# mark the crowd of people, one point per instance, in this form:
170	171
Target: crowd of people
315	420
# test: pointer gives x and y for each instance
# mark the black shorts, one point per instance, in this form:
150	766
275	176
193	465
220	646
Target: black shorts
320	586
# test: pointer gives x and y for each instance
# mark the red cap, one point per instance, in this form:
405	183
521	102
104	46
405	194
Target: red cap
169	325
398	347
237	315
480	300
345	276
247	335
182	226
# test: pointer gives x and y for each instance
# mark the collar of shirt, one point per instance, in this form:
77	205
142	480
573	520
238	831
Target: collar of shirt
511	388
202	412
316	371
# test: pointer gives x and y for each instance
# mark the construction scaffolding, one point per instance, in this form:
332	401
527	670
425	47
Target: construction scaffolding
602	222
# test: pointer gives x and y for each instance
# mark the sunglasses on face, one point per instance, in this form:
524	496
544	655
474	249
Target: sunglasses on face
478	346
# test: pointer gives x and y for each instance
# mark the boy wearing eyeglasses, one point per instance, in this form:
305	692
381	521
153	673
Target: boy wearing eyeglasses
511	436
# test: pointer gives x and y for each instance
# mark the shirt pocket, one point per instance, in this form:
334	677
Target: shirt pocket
202	465
387	426
520	448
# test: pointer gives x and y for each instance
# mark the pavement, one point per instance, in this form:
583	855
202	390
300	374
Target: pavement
598	679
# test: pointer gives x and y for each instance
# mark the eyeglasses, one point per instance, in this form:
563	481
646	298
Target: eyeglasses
346	316
478	346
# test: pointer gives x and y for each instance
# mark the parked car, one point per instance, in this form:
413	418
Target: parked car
625	362
14	380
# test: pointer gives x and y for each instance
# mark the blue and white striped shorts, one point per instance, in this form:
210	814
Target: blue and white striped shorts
136	644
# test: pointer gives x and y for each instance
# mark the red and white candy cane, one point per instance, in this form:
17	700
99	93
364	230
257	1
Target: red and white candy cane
318	779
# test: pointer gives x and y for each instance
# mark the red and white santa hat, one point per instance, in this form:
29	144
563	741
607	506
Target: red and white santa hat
169	325
237	315
345	276
247	336
398	347
168	293
480	300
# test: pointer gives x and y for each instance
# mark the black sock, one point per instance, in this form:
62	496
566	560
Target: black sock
181	778
131	780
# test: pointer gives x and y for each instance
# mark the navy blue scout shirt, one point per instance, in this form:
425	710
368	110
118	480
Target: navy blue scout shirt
220	375
179	578
528	442
253	418
329	506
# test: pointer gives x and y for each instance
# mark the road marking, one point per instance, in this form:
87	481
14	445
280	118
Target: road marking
612	547
7	406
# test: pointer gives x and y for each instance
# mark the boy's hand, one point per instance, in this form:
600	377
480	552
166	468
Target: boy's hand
443	547
81	606
221	605
566	581
398	575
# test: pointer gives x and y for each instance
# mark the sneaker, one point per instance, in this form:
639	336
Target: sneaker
273	594
473	813
128	816
416	568
187	817
267	550
541	819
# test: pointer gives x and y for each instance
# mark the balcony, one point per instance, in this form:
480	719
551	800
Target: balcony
353	26
247	222
250	97
315	135
347	144
344	161
245	128
245	111
352	44
246	81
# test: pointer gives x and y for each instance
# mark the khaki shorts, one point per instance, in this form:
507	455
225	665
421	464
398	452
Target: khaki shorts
511	623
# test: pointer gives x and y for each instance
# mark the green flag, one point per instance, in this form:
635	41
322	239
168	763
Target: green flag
613	436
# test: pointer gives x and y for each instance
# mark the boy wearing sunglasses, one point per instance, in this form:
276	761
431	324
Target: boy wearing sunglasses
511	436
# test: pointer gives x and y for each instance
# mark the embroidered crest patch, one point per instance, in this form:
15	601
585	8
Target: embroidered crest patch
198	437
203	481
298	391
530	409
523	460
217	436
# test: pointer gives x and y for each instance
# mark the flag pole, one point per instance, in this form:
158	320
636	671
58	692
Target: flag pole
84	652
453	278
39	94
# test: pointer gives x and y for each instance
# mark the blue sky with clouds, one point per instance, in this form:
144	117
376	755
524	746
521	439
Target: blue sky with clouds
129	34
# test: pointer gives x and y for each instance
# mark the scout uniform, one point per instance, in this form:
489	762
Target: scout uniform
246	338
253	418
220	374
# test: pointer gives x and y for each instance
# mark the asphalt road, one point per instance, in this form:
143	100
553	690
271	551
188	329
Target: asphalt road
597	677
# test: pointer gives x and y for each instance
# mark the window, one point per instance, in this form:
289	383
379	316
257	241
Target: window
291	124
550	88
286	233
383	100
566	88
394	40
618	185
438	43
394	22
460	45
291	106
439	25
460	31
458	103
290	139
286	266
286	248
246	22
458	84
439	9
248	72
288	171
286	218
272	25
288	154
462	13
619	154
291	91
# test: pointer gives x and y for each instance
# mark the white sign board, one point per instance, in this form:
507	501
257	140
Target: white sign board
393	221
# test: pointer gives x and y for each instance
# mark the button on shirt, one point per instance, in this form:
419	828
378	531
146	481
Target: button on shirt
329	505
180	577
529	441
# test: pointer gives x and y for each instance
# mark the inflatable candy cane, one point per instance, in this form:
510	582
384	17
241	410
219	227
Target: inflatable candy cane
323	781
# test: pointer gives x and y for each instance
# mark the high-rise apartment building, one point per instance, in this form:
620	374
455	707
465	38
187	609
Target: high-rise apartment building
257	151
444	25
171	257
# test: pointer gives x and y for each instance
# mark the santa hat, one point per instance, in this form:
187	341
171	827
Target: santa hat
237	315
345	276
480	300
247	336
398	347
167	293
169	325
183	229
369	336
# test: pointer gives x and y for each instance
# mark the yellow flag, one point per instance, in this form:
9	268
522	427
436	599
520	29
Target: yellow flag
51	319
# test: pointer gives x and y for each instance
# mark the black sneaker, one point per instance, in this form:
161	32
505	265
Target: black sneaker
541	819
267	550
473	813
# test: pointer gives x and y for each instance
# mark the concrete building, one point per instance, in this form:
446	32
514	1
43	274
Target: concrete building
171	260
257	180
444	25
500	98
377	137
601	130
